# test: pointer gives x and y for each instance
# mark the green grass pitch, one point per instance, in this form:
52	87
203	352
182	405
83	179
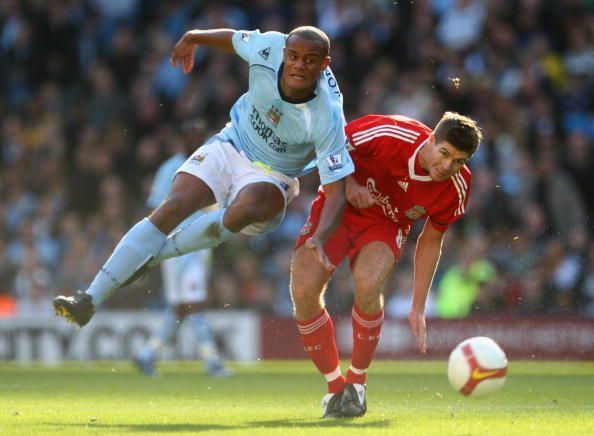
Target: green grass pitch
282	398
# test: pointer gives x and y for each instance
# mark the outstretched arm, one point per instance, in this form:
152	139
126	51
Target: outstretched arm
183	52
426	259
329	221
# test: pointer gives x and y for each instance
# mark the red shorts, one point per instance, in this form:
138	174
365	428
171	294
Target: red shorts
353	233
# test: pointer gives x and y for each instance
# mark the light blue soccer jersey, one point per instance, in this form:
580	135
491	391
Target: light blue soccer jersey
292	138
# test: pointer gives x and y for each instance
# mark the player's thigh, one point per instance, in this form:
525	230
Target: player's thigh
371	268
188	194
208	175
338	244
258	198
256	202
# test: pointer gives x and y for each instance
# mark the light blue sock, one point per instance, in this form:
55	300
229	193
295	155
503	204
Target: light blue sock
141	242
203	334
167	330
206	231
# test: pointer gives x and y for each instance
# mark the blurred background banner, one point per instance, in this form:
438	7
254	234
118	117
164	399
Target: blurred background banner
90	106
248	336
118	335
522	338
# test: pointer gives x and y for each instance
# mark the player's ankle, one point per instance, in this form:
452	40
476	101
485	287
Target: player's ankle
337	385
354	378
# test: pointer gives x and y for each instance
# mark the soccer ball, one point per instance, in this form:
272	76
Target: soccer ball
477	367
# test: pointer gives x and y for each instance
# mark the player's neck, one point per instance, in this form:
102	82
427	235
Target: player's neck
422	158
296	96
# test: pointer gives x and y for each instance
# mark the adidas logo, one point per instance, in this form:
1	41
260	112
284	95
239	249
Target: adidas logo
403	185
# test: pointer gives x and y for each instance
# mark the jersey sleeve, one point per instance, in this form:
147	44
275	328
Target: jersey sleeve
379	134
459	201
333	159
248	43
365	135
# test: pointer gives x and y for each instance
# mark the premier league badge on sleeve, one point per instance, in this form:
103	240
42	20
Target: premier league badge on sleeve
334	162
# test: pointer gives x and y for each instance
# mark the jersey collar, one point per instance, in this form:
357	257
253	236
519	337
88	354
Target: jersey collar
411	165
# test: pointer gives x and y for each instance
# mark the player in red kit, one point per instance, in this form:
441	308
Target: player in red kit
403	171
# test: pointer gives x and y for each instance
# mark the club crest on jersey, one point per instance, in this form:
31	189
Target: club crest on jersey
198	158
403	185
264	53
415	212
334	162
274	115
245	37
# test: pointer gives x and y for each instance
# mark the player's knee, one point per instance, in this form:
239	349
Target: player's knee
171	212
306	307
304	299
237	218
174	206
369	299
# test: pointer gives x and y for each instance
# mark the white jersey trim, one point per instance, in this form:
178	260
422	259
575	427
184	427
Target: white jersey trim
368	134
462	189
411	165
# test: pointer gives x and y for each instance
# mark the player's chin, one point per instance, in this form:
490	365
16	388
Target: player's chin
299	83
437	176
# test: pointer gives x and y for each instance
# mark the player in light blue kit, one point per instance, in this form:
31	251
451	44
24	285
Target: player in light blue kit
185	281
289	122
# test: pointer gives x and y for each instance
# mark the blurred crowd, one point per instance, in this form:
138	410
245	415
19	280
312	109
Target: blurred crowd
90	106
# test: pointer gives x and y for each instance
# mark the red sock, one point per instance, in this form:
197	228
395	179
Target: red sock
317	337
366	334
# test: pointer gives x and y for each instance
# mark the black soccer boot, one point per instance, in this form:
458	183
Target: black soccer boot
77	309
331	405
354	401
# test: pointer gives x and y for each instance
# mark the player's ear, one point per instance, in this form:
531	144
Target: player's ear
326	62
431	140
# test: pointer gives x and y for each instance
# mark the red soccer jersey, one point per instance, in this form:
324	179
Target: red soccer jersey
385	152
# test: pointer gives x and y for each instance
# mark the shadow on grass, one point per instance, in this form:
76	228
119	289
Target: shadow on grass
307	423
196	428
139	428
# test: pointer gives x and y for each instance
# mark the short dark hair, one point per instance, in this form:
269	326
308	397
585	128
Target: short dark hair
313	34
460	131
